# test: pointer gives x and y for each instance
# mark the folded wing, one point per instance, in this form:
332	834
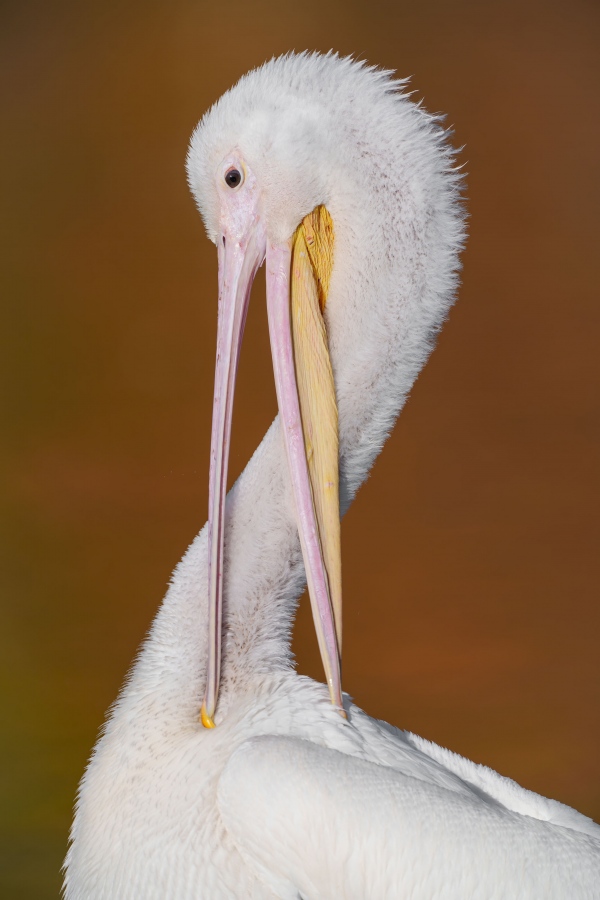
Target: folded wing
321	825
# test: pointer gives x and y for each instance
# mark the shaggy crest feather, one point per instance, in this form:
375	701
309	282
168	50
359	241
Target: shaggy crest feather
284	798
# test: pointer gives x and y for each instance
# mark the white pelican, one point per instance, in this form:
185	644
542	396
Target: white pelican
348	188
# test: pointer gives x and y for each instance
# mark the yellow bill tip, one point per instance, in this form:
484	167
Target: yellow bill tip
206	720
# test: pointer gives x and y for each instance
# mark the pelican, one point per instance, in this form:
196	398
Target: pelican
221	772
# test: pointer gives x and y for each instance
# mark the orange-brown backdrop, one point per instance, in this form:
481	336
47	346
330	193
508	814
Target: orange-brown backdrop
470	556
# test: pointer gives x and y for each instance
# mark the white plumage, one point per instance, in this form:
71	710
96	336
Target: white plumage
284	798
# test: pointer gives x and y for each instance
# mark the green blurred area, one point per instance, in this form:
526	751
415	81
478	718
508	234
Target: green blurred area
475	540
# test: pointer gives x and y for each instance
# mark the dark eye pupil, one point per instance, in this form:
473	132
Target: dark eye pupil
233	178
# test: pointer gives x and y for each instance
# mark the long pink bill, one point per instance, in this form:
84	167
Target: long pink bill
279	258
239	260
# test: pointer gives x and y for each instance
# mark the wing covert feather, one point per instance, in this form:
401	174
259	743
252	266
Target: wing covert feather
317	824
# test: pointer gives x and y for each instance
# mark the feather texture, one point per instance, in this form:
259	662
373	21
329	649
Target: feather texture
361	831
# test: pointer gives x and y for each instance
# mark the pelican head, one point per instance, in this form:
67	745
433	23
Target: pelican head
262	176
322	167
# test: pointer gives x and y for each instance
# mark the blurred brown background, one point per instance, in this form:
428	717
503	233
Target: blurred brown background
471	555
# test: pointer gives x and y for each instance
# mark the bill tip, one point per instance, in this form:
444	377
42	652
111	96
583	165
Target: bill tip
206	720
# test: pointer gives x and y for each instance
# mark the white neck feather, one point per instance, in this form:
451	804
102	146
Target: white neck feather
398	231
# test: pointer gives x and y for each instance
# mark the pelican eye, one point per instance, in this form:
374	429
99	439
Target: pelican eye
233	178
